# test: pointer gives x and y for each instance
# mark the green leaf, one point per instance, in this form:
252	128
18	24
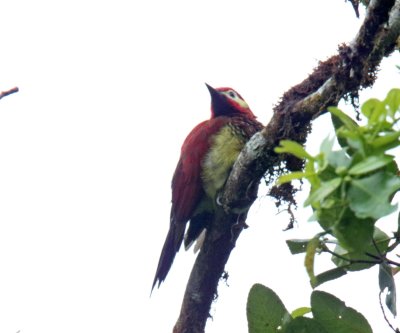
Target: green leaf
312	248
326	146
369	106
300	312
304	325
337	124
342	118
339	159
265	311
323	191
297	246
386	281
312	177
356	144
327	217
335	317
353	233
374	110
292	176
392	100
294	148
339	220
386	140
330	275
381	240
369	164
370	196
325	174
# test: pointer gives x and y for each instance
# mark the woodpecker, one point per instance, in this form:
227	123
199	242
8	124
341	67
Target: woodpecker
207	157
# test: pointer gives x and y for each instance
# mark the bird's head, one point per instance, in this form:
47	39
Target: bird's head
228	102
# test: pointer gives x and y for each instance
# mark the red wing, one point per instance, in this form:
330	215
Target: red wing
187	188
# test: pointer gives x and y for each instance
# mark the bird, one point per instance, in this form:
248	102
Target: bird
207	157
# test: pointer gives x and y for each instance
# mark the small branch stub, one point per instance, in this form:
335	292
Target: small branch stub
8	92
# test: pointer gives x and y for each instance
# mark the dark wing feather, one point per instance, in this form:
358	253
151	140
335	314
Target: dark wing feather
187	190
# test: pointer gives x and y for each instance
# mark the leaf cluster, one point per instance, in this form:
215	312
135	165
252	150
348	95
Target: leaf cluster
266	313
351	188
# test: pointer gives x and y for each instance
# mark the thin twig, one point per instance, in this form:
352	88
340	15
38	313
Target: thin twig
8	92
396	330
352	261
395	244
383	259
378	258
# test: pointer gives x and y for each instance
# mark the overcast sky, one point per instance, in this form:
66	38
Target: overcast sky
108	92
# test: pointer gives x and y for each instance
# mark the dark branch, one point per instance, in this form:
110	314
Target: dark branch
353	68
8	92
353	261
383	259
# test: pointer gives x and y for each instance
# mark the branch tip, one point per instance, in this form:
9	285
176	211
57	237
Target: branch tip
8	92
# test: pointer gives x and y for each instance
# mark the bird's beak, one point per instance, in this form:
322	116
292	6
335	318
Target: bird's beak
216	98
214	93
210	89
219	104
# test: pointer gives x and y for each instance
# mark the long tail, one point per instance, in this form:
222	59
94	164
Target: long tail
171	247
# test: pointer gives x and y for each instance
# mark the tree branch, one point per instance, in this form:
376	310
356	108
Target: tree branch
8	92
353	68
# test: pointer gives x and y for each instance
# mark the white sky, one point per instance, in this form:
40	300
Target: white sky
108	92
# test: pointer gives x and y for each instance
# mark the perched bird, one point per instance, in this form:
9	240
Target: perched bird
207	156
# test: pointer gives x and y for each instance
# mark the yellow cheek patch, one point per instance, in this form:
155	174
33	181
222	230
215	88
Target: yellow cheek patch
236	99
242	103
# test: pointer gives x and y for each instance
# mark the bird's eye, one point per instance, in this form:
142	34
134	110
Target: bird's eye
232	94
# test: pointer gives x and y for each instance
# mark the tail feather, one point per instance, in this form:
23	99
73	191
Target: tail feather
171	247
